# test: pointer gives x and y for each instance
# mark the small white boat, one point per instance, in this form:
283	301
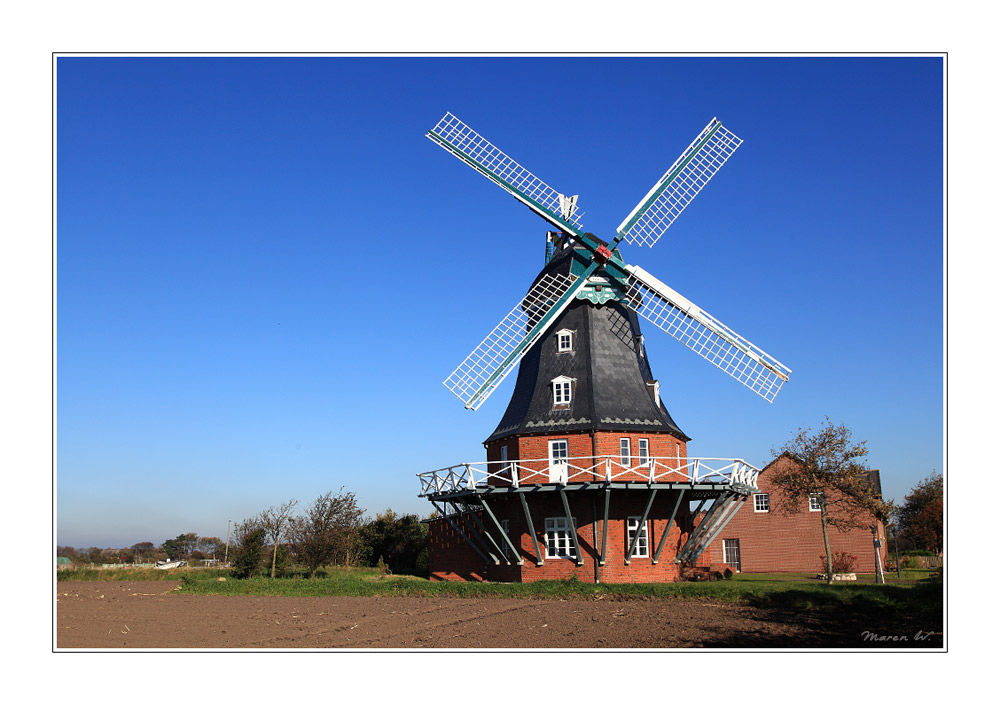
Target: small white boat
168	564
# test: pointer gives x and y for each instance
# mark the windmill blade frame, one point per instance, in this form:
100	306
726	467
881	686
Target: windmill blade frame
460	140
680	318
492	360
685	178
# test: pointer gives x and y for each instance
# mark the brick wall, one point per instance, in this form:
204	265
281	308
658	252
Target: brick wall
452	559
449	555
772	542
582	445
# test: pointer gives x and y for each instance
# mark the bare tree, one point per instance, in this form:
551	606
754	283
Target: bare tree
328	531
827	467
276	521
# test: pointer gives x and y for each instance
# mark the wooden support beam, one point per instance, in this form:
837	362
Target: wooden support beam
572	529
604	533
503	534
640	528
670	524
539	559
468	519
735	507
459	530
701	528
720	503
487	534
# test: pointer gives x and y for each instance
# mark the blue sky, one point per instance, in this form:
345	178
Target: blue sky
264	270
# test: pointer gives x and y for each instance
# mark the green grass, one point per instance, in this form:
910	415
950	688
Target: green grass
137	574
756	589
919	593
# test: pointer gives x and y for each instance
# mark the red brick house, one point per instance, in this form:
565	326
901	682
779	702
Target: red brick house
763	539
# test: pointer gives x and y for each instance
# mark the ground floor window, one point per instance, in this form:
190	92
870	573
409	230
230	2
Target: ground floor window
731	553
558	542
642	546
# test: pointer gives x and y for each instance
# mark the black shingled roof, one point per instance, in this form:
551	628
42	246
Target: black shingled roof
608	364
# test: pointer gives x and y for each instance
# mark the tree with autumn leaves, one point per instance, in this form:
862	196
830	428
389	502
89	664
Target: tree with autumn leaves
920	520
828	466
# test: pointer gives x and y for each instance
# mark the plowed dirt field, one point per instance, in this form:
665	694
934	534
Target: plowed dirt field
153	615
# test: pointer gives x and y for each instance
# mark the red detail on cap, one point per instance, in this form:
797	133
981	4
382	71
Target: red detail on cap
603	254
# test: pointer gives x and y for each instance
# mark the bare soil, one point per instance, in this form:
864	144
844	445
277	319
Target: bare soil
153	615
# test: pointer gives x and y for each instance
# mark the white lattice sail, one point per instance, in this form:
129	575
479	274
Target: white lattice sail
493	359
713	340
475	150
679	185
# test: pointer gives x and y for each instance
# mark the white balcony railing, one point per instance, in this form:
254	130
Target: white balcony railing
603	468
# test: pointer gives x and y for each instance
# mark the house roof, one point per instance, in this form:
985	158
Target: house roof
874	477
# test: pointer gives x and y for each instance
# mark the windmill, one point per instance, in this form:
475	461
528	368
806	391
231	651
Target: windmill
586	419
492	360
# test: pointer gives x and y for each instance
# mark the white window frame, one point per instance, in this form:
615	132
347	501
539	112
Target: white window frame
625	452
558	461
558	540
766	501
562	387
642	546
643	452
727	546
564	341
815	498
504	465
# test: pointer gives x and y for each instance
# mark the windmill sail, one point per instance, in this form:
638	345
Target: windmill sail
475	150
487	366
727	350
678	187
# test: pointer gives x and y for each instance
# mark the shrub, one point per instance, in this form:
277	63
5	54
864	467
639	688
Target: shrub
843	562
248	558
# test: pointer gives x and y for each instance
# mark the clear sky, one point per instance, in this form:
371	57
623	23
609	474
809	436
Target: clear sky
265	271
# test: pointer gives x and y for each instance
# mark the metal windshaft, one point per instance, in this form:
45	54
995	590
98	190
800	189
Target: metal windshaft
713	340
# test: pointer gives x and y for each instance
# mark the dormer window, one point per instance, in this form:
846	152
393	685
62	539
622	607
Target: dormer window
564	341
562	392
